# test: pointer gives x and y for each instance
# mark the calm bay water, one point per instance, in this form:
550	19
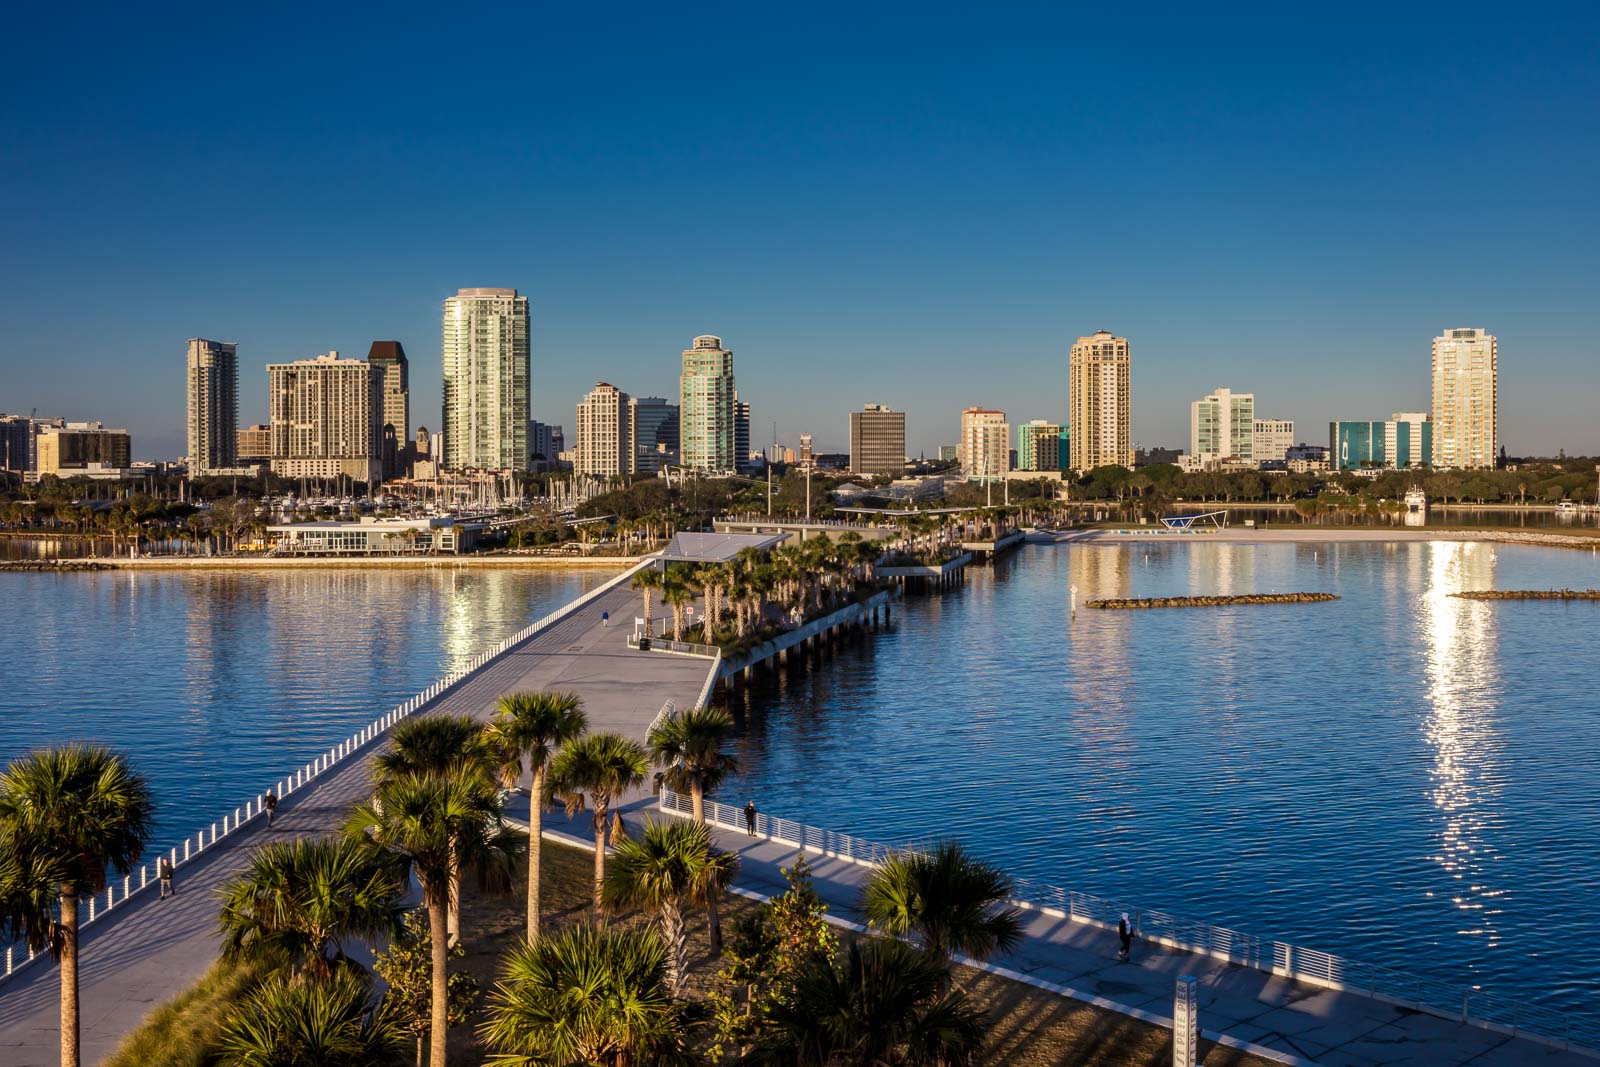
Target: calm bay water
1399	776
216	683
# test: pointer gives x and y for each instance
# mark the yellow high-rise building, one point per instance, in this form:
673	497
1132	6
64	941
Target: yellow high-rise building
1466	429
1100	402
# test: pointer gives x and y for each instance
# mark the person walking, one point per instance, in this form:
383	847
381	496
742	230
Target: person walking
1125	935
164	869
750	818
270	802
605	619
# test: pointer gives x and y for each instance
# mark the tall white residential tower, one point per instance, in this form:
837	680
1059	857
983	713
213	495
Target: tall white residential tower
486	388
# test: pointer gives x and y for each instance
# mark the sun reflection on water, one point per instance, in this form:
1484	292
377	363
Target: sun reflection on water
1463	682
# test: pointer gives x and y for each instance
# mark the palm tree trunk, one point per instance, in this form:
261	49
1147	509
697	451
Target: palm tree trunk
535	828
453	906
674	936
439	1019
69	977
697	799
599	853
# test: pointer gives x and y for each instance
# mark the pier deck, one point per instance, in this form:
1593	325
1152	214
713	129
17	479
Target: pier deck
150	950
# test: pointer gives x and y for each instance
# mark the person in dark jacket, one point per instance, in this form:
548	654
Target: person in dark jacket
750	818
1125	935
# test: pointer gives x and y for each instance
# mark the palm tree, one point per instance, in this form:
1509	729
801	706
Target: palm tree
527	729
677	595
670	865
432	744
605	766
688	746
883	1002
67	816
588	994
645	581
299	901
951	901
435	824
328	1023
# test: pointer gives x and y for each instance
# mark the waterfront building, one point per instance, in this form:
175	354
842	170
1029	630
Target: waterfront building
74	449
741	434
19	441
376	537
949	453
546	442
1040	445
254	444
1222	427
1404	440
1273	438
324	415
707	407
1465	400
1100	401
984	451
390	359
653	423
486	380
877	441
605	439
212	391
1148	457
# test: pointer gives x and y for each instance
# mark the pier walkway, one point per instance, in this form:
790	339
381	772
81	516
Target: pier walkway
1295	1022
147	950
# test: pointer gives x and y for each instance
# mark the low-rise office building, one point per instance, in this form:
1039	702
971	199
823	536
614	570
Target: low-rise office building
375	537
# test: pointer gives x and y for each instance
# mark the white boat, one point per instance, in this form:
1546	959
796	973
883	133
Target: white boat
1566	507
1416	500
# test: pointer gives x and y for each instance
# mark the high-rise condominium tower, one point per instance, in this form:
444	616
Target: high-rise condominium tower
325	416
486	390
213	392
877	441
1222	425
605	440
1100	402
985	448
1466	429
390	359
707	412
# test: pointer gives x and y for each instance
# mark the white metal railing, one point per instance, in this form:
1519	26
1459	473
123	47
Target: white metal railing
682	648
1445	999
190	848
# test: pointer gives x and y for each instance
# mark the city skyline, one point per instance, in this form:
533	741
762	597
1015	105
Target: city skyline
832	224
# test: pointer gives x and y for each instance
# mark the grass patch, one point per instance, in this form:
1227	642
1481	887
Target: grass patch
184	1031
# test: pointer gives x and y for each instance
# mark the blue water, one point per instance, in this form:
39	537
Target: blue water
1397	777
217	683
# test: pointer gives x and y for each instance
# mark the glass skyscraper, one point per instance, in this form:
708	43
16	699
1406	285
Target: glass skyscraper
486	380
706	419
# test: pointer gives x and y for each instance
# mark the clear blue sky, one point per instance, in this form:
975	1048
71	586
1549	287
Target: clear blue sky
921	207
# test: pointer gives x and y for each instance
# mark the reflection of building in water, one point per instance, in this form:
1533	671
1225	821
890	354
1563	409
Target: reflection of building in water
1097	642
1463	680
